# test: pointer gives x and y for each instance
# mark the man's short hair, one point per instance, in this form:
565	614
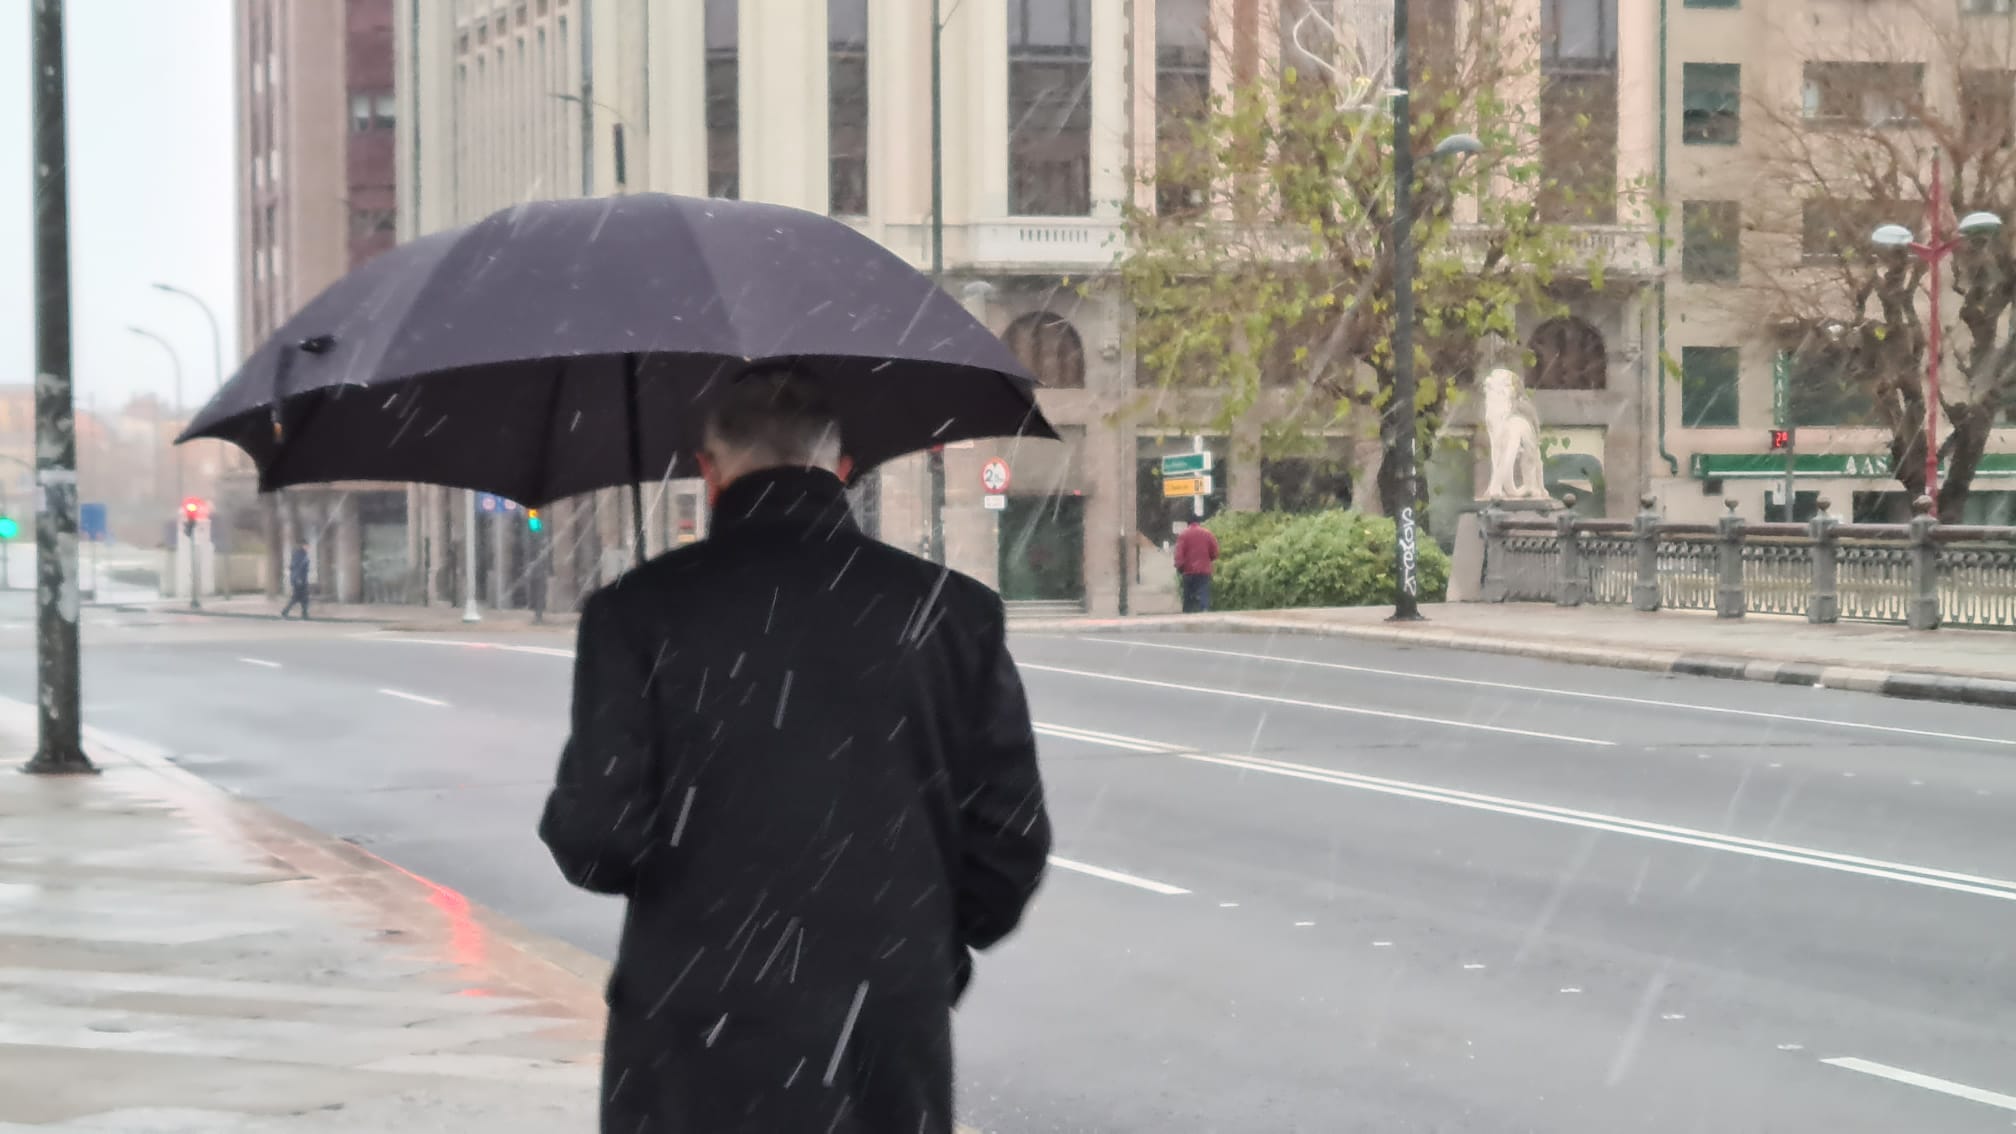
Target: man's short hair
774	416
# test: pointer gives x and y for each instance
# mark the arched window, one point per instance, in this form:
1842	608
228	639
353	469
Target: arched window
1568	354
1049	346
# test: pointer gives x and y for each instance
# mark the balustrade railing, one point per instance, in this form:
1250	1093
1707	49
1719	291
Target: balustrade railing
1922	574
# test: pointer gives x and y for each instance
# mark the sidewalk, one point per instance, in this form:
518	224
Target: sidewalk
387	616
1969	666
175	960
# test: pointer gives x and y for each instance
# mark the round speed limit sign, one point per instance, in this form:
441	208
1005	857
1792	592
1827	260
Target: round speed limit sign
994	475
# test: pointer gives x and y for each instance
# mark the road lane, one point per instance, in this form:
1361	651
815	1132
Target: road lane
1337	952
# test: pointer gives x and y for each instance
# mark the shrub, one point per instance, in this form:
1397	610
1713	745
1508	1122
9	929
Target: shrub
1334	558
1241	532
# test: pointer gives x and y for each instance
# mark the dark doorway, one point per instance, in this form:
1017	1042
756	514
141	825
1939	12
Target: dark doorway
1043	549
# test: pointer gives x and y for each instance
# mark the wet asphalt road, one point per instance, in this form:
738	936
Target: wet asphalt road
1310	885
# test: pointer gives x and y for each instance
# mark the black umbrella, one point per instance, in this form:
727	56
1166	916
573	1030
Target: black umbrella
565	346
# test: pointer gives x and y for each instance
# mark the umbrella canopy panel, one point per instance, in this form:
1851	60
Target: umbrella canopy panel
493	357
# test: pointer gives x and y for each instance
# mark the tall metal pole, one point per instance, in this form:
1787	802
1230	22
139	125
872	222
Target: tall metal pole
1935	236
174	360
216	339
59	747
936	460
1406	598
469	611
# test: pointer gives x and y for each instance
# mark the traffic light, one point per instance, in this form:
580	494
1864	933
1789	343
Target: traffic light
533	522
8	528
1781	440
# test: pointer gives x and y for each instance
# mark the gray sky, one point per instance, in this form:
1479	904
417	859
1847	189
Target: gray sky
152	193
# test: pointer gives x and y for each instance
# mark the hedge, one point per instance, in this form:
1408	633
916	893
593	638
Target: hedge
1269	561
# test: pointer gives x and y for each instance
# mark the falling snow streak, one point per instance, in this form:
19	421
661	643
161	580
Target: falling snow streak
846	1029
685	808
783	697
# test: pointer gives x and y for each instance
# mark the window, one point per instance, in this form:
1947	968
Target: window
360	113
1049	346
1578	35
1182	101
1988	108
1831	230
1708	386
1869	94
1823	387
1050	107
724	135
847	106
1987	7
1712	4
388	111
1568	354
1710	241
1711	104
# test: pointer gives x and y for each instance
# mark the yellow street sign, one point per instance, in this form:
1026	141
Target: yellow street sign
1186	486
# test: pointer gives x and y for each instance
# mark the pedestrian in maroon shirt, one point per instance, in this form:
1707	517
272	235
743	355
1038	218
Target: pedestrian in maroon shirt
1196	554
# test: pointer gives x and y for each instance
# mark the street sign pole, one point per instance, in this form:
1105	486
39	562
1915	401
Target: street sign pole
59	746
469	611
1781	412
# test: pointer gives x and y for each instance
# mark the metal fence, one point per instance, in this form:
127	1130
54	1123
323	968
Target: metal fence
1922	574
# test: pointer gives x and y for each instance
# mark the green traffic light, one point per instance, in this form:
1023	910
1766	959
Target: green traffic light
8	528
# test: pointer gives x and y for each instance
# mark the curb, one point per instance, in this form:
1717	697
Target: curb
544	964
1917	685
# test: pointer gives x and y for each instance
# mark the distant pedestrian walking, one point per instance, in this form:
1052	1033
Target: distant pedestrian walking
1196	555
297	581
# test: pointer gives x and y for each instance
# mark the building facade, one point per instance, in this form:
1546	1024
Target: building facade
1772	111
317	197
1050	113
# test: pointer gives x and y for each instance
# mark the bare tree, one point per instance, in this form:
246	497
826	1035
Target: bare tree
1855	152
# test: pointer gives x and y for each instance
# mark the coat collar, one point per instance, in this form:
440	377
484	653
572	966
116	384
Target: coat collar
811	500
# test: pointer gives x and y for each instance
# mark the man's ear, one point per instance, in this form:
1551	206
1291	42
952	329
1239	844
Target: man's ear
845	468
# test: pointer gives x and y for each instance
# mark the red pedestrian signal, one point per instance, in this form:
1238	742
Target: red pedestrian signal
1781	440
195	508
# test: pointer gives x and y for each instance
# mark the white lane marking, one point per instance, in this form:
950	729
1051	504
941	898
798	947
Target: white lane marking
1584	695
1928	1082
1673	1016
1659	832
503	647
414	697
1472	966
1571	990
1791	1047
1382	944
1323	705
1228	905
1087	736
262	663
1136	880
1304	924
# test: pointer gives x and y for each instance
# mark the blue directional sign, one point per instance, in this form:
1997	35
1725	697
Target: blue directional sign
91	521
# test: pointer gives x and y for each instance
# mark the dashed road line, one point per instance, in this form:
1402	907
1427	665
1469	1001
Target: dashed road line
1125	879
262	663
414	697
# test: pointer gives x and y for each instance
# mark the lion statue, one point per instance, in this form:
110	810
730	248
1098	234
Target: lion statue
1512	426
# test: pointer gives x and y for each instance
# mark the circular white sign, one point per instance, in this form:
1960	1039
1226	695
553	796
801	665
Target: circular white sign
994	475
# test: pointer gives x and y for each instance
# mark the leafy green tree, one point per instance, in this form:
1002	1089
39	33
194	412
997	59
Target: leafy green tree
1268	280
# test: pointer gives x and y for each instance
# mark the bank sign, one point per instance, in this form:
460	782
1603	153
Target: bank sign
1842	466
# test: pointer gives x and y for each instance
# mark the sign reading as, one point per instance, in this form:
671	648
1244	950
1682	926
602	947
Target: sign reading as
1185	465
1185	486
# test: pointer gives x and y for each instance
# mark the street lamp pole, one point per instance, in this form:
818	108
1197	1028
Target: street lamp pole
936	460
1406	573
1933	250
216	339
59	748
175	360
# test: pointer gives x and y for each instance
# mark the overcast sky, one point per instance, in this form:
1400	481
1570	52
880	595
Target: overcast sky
152	193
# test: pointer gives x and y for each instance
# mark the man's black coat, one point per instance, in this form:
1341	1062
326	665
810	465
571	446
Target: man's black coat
805	758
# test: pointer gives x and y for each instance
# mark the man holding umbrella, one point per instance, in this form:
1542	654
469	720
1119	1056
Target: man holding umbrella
805	758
